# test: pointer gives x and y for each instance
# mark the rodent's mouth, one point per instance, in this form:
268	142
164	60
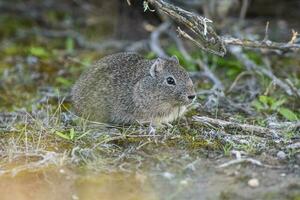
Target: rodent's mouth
185	101
181	100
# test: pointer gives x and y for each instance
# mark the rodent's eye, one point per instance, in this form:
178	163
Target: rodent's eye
171	81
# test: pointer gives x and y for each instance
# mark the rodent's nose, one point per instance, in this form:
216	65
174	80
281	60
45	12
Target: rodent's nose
191	97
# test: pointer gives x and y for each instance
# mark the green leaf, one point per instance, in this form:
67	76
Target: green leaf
38	52
70	45
277	104
84	134
72	134
263	99
257	105
267	101
63	81
288	114
62	135
150	55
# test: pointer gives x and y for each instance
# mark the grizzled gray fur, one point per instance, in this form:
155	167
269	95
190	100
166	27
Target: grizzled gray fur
125	88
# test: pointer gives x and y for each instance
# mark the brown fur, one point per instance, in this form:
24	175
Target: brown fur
125	88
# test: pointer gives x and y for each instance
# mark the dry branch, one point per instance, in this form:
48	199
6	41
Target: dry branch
256	130
206	37
154	39
252	66
247	160
264	44
208	73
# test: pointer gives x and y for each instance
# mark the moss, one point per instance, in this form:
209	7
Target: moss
11	23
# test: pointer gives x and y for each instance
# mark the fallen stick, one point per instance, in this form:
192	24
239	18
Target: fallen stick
247	160
256	130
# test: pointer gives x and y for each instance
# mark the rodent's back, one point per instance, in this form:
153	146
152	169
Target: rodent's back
104	91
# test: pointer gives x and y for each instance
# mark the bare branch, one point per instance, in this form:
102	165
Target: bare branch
154	41
207	72
294	37
247	160
244	9
266	38
293	87
207	39
251	66
180	45
256	130
265	44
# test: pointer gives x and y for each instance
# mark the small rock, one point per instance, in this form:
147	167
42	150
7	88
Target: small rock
184	182
281	155
168	175
254	182
283	174
75	197
294	146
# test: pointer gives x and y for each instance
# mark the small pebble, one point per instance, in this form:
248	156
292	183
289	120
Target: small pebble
253	182
183	182
283	174
281	155
168	175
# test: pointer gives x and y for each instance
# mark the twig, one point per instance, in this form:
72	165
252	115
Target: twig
265	44
236	80
207	39
180	45
257	130
293	87
266	38
207	72
244	9
249	160
294	37
251	66
288	126
154	41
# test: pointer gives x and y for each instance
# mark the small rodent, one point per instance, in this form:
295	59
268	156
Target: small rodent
125	88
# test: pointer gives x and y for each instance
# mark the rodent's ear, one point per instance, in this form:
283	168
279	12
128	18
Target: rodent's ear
156	67
175	58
